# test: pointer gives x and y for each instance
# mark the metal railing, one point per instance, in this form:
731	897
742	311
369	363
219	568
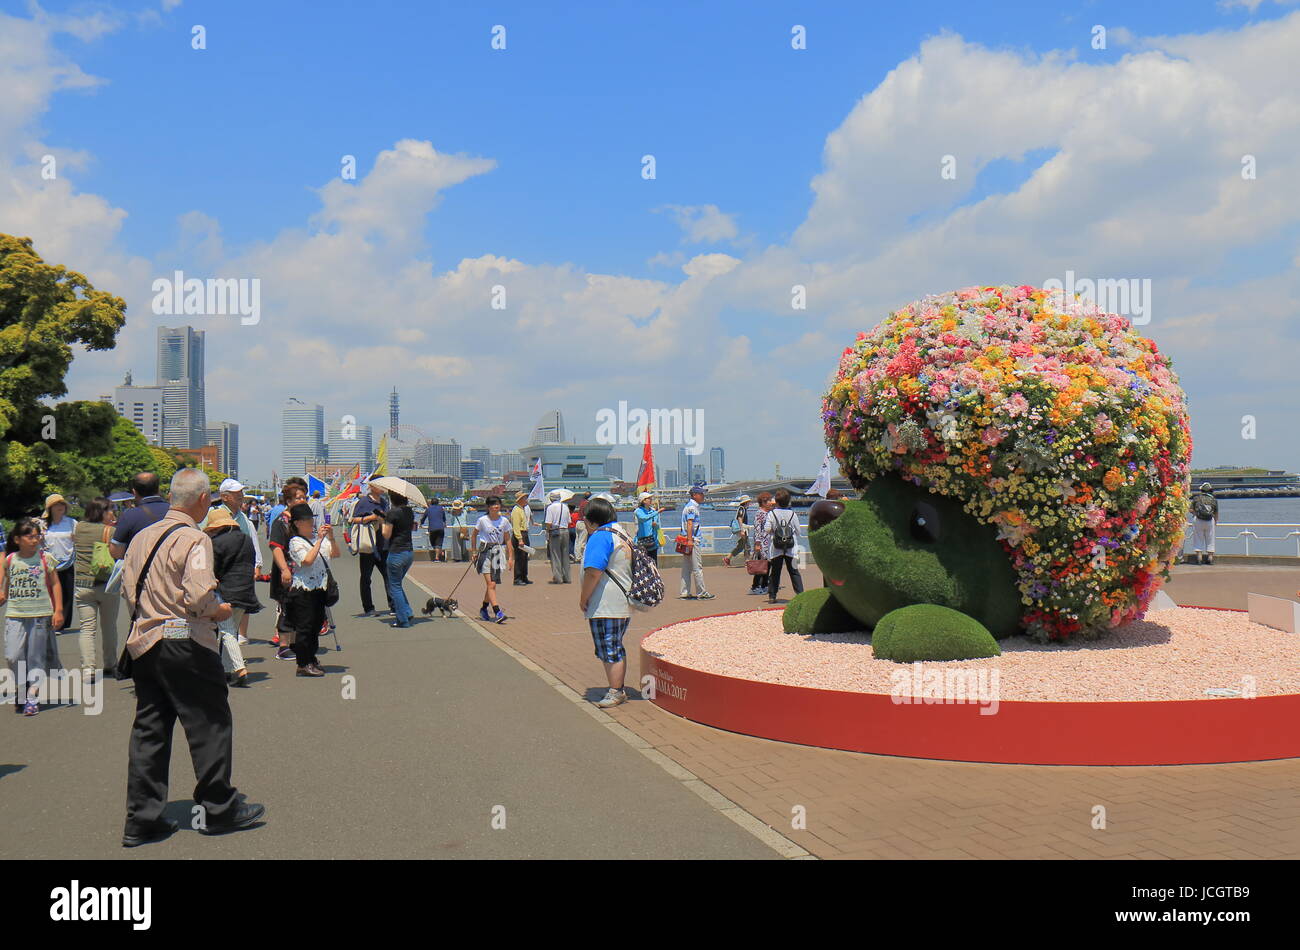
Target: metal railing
1278	540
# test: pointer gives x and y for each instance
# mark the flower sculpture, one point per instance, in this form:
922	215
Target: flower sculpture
1052	422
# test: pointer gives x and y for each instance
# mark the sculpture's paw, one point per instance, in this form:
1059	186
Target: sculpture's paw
816	611
930	632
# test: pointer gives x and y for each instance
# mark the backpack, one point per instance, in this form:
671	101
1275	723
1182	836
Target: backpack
783	533
1203	507
647	588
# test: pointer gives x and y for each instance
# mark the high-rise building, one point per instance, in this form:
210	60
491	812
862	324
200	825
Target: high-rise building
717	466
302	436
471	469
614	466
684	464
482	454
502	462
697	473
350	445
669	478
142	406
180	374
225	436
442	458
393	415
550	428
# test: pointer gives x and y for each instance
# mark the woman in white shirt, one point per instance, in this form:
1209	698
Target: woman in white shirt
490	541
304	602
779	517
59	545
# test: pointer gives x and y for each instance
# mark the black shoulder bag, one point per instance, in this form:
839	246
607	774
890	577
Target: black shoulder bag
125	665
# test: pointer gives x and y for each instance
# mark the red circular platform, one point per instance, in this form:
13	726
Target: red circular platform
1180	732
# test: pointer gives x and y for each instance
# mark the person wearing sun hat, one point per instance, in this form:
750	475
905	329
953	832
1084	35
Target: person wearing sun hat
59	544
556	520
232	564
1205	515
521	520
648	525
459	528
692	560
739	528
232	499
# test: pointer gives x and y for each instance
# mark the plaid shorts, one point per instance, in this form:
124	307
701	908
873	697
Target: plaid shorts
607	632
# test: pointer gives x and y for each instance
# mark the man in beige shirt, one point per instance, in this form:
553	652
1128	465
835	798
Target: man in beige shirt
174	647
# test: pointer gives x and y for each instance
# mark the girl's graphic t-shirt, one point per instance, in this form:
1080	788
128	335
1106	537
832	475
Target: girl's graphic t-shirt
28	594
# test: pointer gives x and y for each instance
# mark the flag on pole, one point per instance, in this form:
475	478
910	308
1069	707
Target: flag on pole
823	483
539	491
645	477
314	484
381	458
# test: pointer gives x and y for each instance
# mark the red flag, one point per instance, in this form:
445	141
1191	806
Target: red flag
645	478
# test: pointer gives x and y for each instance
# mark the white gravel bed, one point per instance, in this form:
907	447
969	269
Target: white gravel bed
1172	654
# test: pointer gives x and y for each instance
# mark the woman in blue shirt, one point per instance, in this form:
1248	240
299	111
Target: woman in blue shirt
648	527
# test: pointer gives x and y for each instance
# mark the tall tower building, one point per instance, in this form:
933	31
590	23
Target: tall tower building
717	466
393	415
550	428
180	374
302	436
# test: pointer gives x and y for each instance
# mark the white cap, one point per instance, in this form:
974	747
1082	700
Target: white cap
555	494
230	484
644	495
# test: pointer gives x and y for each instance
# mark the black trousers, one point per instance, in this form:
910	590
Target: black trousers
521	559
370	562
306	612
435	543
67	579
774	575
179	679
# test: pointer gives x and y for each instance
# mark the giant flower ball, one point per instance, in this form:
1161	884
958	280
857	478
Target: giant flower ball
1049	419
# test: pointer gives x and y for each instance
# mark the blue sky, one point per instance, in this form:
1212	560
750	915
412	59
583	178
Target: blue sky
249	131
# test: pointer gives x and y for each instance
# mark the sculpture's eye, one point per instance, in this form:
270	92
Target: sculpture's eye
925	523
824	512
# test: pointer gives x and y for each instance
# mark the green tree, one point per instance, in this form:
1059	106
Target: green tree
44	310
128	454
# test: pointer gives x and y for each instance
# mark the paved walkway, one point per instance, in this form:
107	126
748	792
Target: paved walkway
870	806
446	732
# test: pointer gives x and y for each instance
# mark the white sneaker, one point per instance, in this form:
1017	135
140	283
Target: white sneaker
242	639
613	697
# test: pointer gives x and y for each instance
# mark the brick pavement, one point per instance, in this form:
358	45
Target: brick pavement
869	806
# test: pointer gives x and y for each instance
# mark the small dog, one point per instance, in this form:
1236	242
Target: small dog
448	607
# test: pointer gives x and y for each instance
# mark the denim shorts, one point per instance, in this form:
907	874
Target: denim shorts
607	633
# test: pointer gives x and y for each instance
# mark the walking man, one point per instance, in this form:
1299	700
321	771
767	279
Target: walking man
692	560
177	671
232	496
435	519
521	520
149	507
557	538
1205	515
370	510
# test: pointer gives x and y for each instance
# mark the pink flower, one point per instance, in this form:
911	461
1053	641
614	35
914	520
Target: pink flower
992	435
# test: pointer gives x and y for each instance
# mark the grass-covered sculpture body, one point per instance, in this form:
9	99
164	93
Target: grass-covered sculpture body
1023	462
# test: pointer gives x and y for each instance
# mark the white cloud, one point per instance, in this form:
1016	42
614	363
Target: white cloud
703	224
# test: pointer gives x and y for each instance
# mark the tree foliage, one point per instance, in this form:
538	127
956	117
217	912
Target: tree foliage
44	310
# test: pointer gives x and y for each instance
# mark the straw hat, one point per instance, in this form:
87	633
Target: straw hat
457	505
743	498
522	496
51	501
220	517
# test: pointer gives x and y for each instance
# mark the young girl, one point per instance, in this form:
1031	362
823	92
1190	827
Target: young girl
490	539
304	603
29	586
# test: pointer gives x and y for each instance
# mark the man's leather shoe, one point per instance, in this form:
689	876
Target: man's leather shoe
160	832
245	816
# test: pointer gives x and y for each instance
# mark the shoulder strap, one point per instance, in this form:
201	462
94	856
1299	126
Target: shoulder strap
144	572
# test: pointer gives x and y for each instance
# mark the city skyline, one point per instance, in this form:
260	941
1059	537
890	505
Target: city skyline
730	268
